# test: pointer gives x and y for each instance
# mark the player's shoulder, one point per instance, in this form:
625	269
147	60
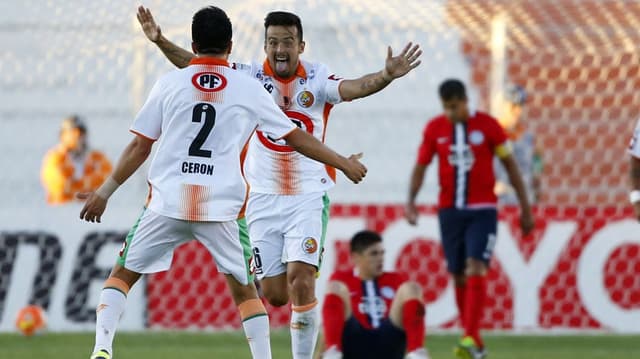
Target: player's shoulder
436	122
315	70
484	117
397	277
342	275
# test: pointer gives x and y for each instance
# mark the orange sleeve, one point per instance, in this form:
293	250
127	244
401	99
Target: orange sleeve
55	177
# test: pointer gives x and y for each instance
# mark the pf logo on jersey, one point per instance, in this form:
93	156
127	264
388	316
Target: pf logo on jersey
310	245
305	99
209	81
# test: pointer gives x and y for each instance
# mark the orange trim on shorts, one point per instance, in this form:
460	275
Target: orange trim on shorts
117	284
251	308
304	308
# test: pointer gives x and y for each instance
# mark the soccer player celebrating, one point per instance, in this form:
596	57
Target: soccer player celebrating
369	313
465	143
288	207
202	117
634	151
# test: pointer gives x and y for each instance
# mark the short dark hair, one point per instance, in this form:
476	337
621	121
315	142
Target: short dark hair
452	89
363	240
211	30
283	18
74	121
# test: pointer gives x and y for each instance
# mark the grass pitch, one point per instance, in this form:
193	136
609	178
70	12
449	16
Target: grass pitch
190	345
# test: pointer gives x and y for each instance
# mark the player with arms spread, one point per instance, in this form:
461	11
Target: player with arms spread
465	143
202	116
288	207
370	313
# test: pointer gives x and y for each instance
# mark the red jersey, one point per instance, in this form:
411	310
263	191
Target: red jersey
465	158
371	299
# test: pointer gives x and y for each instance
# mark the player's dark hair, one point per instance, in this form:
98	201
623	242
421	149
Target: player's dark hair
363	240
452	89
211	30
283	18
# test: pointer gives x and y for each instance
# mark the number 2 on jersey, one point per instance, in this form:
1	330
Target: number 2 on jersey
202	112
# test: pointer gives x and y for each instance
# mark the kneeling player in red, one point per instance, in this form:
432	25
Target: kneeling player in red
369	313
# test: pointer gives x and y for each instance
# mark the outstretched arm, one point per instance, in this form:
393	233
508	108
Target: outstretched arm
395	67
131	159
311	147
417	177
177	55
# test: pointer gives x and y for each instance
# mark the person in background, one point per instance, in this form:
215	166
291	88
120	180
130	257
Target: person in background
465	143
371	313
72	166
524	150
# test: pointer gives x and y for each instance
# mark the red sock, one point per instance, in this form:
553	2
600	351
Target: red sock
413	321
333	320
474	307
460	292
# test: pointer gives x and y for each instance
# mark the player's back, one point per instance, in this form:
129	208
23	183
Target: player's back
205	113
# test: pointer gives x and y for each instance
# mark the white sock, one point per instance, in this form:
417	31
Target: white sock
257	331
304	332
108	313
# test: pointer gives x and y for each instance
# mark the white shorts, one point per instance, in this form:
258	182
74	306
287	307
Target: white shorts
150	244
286	229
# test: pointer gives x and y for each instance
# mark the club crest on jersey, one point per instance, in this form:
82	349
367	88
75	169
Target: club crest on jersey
305	99
310	245
387	292
476	137
209	81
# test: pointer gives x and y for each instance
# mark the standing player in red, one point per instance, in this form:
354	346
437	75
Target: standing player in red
369	313
465	143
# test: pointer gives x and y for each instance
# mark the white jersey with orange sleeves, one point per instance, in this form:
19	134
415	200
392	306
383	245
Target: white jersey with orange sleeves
203	116
634	145
273	167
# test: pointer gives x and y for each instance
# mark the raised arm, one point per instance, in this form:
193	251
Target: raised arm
131	159
526	217
395	67
311	147
177	55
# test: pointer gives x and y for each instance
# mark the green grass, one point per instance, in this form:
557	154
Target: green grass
182	345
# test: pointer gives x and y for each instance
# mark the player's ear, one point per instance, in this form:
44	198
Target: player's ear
230	47
302	43
194	48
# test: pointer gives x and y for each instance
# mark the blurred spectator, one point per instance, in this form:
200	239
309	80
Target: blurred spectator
525	152
71	166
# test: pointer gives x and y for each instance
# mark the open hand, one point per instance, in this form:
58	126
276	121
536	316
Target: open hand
398	66
149	26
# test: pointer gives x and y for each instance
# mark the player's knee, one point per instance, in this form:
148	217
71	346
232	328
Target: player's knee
128	276
338	288
302	281
411	290
276	298
475	267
